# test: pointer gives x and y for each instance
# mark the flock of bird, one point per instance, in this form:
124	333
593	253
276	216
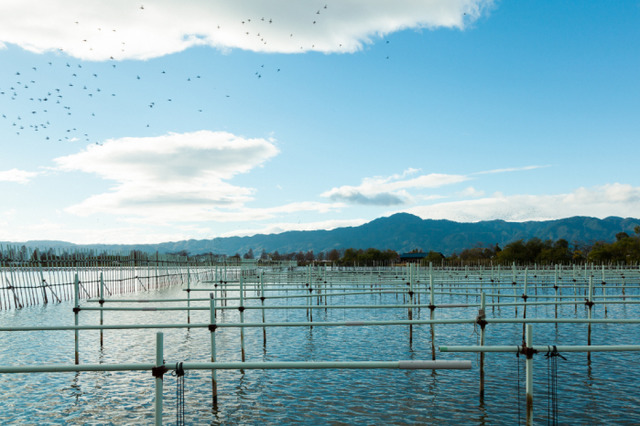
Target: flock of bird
30	103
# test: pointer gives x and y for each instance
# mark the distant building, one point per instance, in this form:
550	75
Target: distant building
412	257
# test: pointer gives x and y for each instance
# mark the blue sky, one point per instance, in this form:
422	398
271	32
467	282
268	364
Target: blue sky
156	121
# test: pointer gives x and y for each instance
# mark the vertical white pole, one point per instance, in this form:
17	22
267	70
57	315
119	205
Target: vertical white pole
159	382
76	312
590	305
529	374
188	294
101	305
241	309
212	330
482	322
264	329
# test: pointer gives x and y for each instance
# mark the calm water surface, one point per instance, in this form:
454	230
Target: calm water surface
602	391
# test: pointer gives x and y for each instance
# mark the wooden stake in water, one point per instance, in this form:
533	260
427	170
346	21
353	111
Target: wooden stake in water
42	281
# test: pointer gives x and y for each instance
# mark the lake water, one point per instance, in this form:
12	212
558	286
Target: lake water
603	390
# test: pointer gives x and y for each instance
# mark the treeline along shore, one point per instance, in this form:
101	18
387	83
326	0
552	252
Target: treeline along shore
624	250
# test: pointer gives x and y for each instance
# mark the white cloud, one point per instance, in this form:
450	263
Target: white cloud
175	177
17	176
392	190
396	189
98	30
601	201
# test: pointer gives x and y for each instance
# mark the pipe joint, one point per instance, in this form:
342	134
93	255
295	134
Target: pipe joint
158	372
527	352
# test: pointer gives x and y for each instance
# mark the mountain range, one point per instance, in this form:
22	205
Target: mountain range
401	232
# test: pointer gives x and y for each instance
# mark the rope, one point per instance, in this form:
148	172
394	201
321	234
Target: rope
552	384
179	372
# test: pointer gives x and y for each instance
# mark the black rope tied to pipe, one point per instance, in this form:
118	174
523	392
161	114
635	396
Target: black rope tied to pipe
552	384
179	373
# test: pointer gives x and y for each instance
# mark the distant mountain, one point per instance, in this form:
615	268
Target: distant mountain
401	232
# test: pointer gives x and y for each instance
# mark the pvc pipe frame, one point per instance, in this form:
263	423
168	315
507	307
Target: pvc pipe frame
214	366
543	348
529	358
330	323
276	365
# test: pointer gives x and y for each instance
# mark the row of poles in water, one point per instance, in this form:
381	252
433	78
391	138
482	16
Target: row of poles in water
32	284
322	285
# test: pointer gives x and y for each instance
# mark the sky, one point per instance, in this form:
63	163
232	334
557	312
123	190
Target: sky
162	120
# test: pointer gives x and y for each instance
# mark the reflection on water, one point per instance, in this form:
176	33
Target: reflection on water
602	390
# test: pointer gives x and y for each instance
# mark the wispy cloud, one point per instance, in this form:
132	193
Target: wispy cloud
173	177
509	170
17	176
98	30
600	201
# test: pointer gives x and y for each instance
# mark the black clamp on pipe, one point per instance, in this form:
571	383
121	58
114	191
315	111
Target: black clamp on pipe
158	372
528	352
241	308
212	327
589	303
480	319
76	309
